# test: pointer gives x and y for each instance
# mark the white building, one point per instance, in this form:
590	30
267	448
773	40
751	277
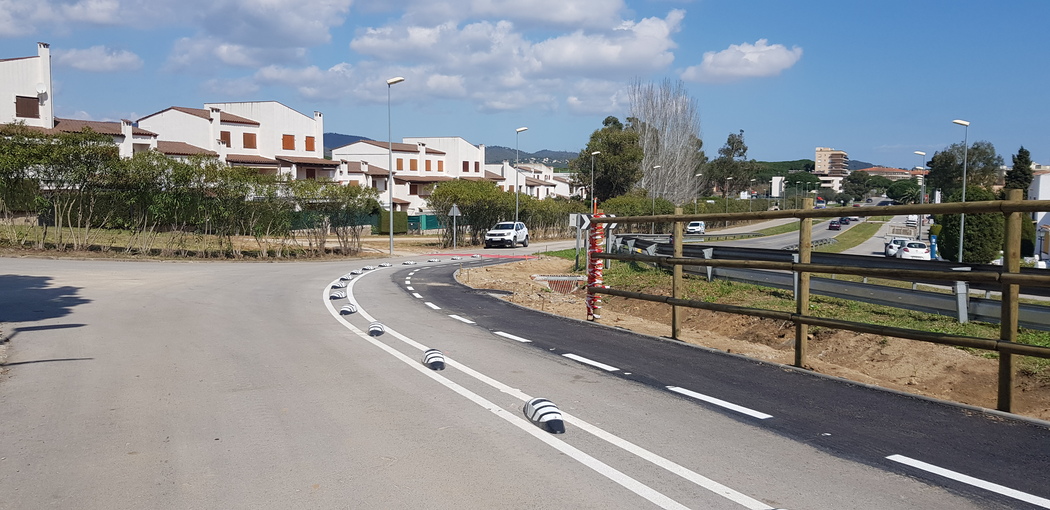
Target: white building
266	135
25	89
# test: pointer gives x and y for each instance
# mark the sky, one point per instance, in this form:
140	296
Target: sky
879	80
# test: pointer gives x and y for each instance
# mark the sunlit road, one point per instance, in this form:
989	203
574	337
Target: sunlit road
222	385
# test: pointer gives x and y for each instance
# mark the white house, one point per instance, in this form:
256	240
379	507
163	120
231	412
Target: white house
266	135
25	89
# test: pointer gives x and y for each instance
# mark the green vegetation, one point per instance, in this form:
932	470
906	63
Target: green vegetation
850	238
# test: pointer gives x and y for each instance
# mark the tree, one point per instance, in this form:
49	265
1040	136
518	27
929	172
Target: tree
983	233
481	205
982	168
904	191
731	170
1020	176
856	184
616	169
667	120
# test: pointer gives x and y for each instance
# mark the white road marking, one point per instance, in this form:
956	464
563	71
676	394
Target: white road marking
432	305
408	281
969	480
599	467
461	319
722	403
512	337
416	295
410	287
591	362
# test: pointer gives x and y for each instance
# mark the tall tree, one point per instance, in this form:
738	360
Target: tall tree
856	184
982	167
1020	176
731	170
667	120
983	232
904	191
616	169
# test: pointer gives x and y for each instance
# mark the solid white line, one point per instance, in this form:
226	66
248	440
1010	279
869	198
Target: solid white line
416	295
669	465
969	480
410	287
722	403
512	337
528	427
461	319
432	305
591	362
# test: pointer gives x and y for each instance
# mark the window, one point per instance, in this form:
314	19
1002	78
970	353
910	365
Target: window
413	189
354	183
413	165
441	166
311	173
288	142
249	141
27	107
224	137
400	164
427	163
466	166
477	166
309	144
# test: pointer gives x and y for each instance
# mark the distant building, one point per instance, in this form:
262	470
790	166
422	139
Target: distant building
831	166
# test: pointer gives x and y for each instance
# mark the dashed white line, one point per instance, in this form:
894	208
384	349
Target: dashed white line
416	295
721	403
513	337
410	287
969	480
591	362
408	281
432	305
461	319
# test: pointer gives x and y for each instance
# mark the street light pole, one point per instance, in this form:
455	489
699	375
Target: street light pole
390	152
750	195
966	148
653	193
517	188
697	196
594	202
726	194
922	168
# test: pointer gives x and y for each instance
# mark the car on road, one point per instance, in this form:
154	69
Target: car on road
912	220
834	225
507	233
844	220
914	250
894	245
696	227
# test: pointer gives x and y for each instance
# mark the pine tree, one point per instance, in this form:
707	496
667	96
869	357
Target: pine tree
1020	176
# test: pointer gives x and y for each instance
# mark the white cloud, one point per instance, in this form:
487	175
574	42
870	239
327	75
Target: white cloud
98	59
19	18
207	52
594	97
238	88
102	12
535	13
741	61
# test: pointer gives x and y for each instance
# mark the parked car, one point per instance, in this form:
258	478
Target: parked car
895	245
914	250
696	227
507	233
834	225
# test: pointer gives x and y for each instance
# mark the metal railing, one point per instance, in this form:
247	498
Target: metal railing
1007	277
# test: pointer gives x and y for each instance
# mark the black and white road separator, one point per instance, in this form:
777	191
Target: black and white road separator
376	328
339	285
348	309
339	294
434	359
544	413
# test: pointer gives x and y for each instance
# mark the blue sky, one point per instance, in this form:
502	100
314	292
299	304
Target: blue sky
876	79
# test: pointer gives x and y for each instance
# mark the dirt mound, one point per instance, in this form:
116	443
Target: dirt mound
916	367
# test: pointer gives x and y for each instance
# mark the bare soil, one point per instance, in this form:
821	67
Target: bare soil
915	367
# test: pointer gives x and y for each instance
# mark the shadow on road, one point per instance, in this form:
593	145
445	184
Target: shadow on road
33	298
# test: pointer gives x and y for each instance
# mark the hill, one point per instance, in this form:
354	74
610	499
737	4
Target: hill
556	159
336	140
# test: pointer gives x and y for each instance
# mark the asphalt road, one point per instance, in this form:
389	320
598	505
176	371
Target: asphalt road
224	385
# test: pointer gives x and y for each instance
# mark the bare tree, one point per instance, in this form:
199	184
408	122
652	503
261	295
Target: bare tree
668	123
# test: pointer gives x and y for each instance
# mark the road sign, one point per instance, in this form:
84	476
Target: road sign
454	211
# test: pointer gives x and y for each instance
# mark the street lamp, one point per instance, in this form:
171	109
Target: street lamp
517	188
727	199
653	193
750	194
594	203
962	216
390	152
922	168
697	196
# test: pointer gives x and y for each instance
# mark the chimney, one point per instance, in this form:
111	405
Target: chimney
214	127
43	85
319	134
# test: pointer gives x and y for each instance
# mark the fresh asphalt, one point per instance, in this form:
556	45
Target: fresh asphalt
849	420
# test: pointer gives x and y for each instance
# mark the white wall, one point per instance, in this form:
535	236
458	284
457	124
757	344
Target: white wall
23	77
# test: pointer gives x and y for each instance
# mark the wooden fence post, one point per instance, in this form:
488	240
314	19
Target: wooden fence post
676	279
1008	315
805	249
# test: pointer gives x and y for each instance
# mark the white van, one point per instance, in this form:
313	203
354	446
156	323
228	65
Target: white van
696	227
912	220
